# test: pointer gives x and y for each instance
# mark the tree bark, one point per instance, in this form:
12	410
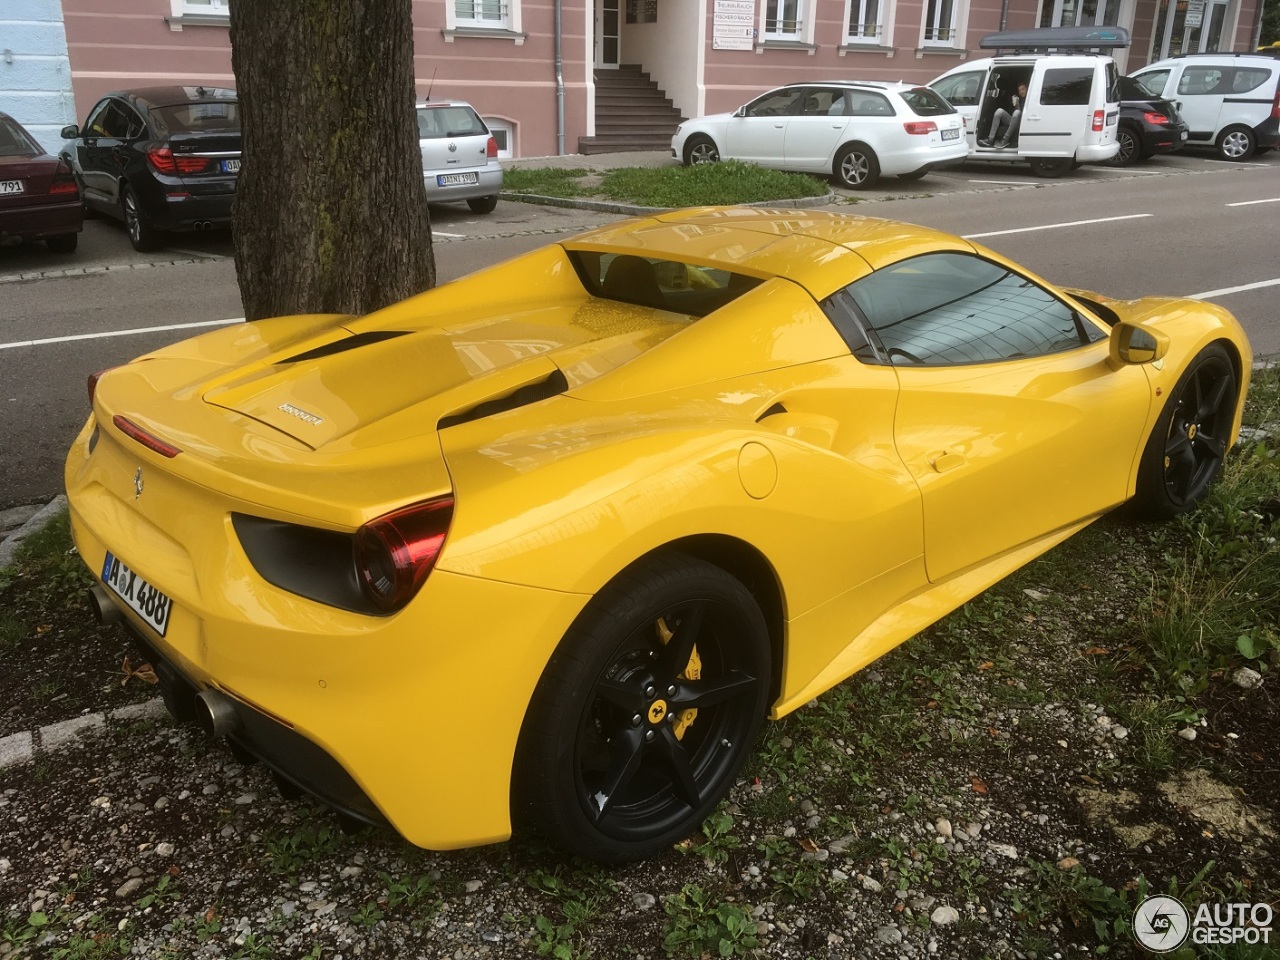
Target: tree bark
330	212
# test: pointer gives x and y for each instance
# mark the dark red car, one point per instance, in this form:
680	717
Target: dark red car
39	199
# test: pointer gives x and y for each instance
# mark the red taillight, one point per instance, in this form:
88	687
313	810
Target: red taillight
491	148
395	553
63	188
1275	108
920	127
93	382
1157	118
163	159
148	440
1099	120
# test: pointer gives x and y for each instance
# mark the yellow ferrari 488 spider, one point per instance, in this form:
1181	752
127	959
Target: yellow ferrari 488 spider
546	544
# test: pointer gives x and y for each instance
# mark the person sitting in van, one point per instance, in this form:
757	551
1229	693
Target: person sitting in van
1003	117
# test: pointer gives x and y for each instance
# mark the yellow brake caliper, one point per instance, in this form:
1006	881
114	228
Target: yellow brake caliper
692	671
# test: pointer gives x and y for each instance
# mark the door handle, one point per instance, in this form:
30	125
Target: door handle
942	461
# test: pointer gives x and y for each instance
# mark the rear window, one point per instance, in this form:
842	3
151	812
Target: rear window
925	103
1247	79
1067	86
451	121
1131	89
14	141
197	117
684	288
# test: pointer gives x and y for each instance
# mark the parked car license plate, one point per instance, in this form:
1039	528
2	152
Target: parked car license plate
230	166
1182	134
951	134
141	597
456	179
8	187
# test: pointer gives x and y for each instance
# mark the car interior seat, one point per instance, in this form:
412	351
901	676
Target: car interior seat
634	280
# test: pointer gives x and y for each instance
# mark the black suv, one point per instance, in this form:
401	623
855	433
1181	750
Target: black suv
161	159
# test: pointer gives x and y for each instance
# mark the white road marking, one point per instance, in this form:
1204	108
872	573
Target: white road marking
1240	289
198	254
1247	203
1005	183
1056	226
119	333
441	233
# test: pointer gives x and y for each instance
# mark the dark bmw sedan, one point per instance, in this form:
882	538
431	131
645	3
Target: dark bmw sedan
1148	125
39	199
162	159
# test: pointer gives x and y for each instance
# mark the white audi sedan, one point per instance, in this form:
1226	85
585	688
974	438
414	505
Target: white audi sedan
459	155
853	130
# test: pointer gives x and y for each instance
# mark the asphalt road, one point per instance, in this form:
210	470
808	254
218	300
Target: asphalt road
1184	225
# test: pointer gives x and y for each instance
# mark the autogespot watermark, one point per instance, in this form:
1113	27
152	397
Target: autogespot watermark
1162	924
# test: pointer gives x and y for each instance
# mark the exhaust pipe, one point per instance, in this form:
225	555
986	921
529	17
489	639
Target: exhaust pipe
216	713
104	611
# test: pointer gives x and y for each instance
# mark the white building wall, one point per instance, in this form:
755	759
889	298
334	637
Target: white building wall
35	74
670	50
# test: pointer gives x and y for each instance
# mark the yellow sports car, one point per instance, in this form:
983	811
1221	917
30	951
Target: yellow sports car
547	543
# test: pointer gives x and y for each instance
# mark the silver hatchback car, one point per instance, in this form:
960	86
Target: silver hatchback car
459	155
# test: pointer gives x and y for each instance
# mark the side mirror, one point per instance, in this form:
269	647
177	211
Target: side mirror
70	132
1132	343
741	111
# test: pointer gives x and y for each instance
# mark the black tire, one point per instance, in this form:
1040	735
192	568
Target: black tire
483	204
917	175
1130	148
1183	455
142	234
700	149
66	243
1050	167
631	740
1236	143
856	167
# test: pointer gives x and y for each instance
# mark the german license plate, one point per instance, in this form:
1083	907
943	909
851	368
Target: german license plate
8	187
456	179
951	134
141	597
230	166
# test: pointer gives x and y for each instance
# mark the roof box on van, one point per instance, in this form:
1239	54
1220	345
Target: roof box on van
1060	39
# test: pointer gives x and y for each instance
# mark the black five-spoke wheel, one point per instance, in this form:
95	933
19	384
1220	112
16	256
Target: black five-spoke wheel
646	712
1185	451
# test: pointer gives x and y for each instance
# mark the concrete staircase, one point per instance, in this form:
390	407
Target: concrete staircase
631	113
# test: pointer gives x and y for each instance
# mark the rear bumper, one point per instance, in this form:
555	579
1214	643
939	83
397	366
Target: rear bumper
1163	139
44	220
488	183
1096	153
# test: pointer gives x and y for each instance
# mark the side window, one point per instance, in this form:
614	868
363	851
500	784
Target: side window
823	102
870	105
944	309
1246	79
1199	80
114	121
1153	81
779	103
1067	86
961	89
95	126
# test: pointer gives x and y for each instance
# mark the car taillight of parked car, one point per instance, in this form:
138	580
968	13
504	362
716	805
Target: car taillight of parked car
164	161
1159	119
920	127
491	148
64	183
1099	120
1275	108
395	553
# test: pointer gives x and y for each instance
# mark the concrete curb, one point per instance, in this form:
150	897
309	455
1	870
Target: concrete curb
37	522
22	747
630	210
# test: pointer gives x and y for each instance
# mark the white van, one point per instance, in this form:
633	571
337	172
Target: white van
1229	100
1072	102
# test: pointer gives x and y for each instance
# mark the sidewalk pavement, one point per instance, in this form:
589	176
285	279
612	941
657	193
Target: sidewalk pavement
598	161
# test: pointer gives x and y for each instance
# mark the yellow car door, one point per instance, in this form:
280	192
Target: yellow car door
1010	418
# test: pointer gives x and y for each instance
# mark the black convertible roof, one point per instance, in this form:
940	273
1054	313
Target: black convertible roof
1057	39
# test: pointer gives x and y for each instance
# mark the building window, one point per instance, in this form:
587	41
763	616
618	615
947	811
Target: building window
481	13
866	21
188	8
784	20
1080	13
942	23
504	132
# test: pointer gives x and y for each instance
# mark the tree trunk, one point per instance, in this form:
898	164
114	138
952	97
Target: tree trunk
330	211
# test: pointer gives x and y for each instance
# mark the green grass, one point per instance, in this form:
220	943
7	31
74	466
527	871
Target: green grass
706	184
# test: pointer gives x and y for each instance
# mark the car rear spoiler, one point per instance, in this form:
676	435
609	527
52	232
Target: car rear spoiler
1057	40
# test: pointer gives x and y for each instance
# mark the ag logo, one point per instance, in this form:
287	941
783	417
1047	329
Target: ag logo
1161	924
657	710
